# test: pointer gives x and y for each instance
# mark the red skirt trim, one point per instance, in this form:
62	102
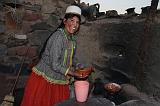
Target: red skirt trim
39	92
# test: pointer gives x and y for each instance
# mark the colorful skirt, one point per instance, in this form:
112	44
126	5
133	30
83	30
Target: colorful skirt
39	92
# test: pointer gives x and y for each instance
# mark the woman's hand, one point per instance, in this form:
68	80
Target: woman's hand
79	66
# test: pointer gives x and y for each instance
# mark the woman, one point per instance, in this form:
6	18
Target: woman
48	82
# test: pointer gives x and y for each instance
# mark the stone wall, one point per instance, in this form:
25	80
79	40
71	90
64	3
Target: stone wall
110	44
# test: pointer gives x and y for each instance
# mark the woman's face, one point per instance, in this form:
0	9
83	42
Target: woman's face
72	24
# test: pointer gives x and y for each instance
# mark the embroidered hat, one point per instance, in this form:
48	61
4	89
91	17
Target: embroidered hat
74	10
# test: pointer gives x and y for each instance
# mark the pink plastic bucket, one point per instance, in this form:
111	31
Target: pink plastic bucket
81	90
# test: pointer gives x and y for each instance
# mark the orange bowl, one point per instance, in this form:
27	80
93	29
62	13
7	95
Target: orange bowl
85	72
